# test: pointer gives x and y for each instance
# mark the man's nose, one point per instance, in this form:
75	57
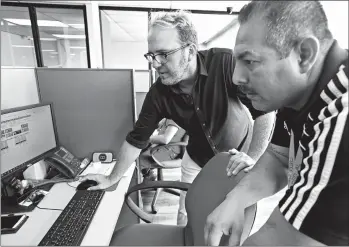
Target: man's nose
239	76
155	64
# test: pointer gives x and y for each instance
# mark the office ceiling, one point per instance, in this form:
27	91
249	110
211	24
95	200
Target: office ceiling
125	26
131	26
193	5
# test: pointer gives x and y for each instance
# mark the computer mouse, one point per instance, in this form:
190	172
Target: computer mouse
86	184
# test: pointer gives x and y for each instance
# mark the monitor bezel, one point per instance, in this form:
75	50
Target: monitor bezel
28	163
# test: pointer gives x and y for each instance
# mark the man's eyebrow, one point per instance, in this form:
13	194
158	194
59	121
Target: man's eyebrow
243	54
158	51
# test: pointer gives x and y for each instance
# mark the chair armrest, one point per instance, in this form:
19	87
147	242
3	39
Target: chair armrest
155	149
152	150
151	185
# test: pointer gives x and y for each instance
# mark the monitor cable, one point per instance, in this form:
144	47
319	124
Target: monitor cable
36	201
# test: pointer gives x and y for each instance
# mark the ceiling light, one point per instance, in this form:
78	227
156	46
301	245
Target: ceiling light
72	54
54	52
41	23
48	39
8	23
79	26
77	47
48	50
68	36
45	39
23	46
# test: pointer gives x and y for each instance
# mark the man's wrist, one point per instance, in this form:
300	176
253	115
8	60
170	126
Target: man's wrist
113	179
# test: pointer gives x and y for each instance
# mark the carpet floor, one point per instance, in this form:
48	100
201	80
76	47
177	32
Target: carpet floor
167	204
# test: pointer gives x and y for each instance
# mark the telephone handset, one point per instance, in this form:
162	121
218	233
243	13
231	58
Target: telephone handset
65	162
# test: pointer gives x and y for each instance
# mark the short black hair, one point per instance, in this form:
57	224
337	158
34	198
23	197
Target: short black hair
288	22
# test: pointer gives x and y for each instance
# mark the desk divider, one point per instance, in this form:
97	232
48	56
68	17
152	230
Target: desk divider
94	108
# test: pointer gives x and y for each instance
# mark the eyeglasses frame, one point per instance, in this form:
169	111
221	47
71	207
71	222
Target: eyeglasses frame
165	54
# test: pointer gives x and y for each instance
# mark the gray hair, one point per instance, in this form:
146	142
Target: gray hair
181	21
288	22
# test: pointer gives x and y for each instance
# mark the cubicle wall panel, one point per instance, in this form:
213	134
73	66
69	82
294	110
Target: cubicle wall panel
94	109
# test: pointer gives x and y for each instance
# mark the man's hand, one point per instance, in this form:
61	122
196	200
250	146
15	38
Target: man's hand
227	219
102	180
239	161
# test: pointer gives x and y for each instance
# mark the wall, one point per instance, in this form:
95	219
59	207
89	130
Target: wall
18	87
126	55
337	15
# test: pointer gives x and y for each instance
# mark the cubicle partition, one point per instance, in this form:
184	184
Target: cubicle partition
94	108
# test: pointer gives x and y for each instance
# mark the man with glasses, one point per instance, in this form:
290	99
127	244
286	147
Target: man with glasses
195	90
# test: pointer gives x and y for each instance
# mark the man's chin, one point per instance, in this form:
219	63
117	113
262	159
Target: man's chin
258	105
168	83
262	106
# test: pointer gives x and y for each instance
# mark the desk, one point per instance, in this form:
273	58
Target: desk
103	223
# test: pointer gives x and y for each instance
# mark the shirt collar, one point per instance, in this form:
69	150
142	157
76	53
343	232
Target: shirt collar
202	67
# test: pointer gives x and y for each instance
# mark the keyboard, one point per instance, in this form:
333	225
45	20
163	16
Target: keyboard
70	227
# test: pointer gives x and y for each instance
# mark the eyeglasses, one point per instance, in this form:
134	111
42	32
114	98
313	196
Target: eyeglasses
161	57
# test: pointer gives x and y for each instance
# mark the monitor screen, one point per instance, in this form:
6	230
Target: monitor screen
27	133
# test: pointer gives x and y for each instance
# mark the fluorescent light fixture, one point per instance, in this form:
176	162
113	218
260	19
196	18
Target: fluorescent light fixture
23	46
77	47
10	24
46	39
49	50
68	36
72	54
54	52
78	26
41	23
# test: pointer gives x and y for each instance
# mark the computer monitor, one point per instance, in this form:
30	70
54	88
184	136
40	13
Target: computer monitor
28	134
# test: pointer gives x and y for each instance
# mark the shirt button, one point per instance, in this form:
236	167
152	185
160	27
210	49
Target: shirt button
204	124
209	136
197	108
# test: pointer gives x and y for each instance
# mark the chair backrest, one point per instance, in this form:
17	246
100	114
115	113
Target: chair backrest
207	191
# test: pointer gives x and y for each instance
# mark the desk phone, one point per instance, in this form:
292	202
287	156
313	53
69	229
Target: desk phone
66	163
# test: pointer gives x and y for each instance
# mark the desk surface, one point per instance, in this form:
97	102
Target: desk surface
103	223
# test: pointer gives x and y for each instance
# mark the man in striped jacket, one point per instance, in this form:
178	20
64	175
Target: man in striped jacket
287	59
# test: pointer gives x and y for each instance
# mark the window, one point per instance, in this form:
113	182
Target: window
124	39
62	37
17	46
44	35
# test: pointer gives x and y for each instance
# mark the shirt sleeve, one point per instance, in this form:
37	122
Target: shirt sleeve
147	122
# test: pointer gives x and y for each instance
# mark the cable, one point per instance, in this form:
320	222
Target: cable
34	203
71	186
49	208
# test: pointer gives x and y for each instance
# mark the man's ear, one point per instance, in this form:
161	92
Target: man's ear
192	52
308	51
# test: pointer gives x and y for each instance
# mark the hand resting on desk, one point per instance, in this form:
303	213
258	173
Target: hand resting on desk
103	181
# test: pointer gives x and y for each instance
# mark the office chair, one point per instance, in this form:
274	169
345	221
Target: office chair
157	160
206	192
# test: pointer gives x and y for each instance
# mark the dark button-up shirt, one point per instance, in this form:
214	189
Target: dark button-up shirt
212	114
